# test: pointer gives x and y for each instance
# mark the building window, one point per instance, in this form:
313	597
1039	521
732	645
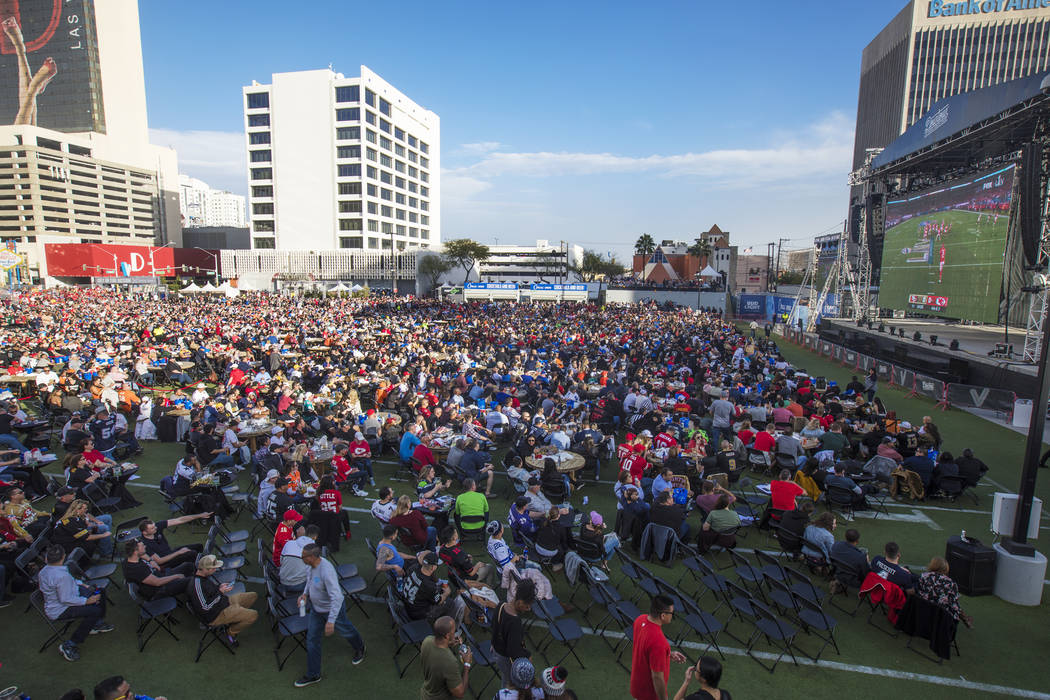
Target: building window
353	207
373	191
258	120
425	206
257	137
263	225
386	161
350	170
386	143
399	166
351	242
370	136
348	152
399	134
262	173
384	125
348	114
412	156
412	186
386	194
263	208
348	133
424	234
424	177
384	106
263	243
350	188
373	173
412	141
370	117
413	217
401	182
350	224
413	232
260	156
373	208
387	228
425	191
348	93
385	177
373	226
370	98
424	162
371	154
262	191
258	100
412	171
423	147
424	220
399	150
399	198
386	211
400	214
400	230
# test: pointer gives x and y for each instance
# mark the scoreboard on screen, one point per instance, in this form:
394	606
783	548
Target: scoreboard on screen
928	303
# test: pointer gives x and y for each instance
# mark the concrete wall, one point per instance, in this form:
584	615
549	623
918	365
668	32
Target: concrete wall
715	300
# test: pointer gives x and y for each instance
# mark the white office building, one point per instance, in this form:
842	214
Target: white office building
76	165
201	205
341	162
544	263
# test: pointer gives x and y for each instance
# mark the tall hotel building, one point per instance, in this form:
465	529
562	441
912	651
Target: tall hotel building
935	49
337	162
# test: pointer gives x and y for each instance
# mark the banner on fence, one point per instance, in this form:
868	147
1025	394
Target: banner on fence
864	363
837	353
903	377
969	396
849	358
810	342
884	370
929	387
826	348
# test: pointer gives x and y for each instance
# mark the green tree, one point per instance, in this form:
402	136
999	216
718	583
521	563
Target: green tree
645	245
431	267
700	250
464	252
548	264
594	266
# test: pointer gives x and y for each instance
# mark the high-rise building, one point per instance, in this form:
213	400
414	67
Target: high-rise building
201	205
338	162
935	49
76	164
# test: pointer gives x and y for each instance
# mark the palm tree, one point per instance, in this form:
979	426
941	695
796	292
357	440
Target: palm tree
645	245
700	250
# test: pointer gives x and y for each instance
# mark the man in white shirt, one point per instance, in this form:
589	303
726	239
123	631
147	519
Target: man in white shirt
383	509
294	571
46	380
231	443
200	395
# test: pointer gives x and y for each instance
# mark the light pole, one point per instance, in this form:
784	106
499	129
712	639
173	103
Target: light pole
116	265
152	252
215	260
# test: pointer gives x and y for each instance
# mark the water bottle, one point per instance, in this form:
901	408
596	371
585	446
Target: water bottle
963	535
302	608
585	500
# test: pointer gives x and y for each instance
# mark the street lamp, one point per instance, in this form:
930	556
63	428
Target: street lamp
152	251
215	259
116	265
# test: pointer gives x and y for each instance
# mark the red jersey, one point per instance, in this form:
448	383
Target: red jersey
664	440
764	441
623	452
331	501
636	464
651	654
746	436
424	456
359	449
283	535
783	494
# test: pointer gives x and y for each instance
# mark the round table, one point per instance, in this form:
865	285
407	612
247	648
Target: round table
384	416
252	436
569	462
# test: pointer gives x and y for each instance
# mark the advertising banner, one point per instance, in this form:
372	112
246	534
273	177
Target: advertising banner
970	396
864	363
838	353
50	44
884	370
752	305
809	341
826	348
107	260
929	387
903	377
849	358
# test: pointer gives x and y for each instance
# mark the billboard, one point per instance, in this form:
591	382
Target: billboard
49	70
97	260
944	248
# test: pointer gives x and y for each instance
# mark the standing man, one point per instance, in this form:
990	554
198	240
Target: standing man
651	656
442	679
327	614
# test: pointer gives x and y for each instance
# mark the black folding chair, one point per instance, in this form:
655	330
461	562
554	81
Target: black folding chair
484	657
563	630
58	628
847	575
100	502
802	585
771	566
781	635
210	635
747	572
638	574
409	632
818	622
841	499
286	628
701	623
741	606
156	613
468	534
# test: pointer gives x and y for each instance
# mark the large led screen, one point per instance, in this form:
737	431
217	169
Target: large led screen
49	71
944	248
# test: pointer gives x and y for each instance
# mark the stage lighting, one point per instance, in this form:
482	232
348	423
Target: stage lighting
916	336
954	345
933	340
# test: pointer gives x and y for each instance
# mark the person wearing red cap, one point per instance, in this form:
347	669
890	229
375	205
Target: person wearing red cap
285	533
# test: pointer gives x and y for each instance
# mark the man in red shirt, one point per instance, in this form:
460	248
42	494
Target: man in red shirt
636	463
361	455
651	655
765	440
345	472
285	532
422	455
664	439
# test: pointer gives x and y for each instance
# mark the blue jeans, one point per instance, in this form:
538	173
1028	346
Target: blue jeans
222	460
105	545
716	436
89	615
432	535
12	442
365	464
315	633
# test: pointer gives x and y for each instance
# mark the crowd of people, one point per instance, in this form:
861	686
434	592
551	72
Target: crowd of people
304	395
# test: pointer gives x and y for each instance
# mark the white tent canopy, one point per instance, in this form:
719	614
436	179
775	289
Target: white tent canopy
210	288
340	288
191	288
709	272
356	288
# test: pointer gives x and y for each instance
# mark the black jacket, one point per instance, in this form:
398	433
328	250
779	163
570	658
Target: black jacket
205	599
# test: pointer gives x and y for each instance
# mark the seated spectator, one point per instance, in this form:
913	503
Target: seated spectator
710	491
427	597
670	514
476	465
294	571
850	553
790	446
935	586
719	526
18	508
812	429
624	482
708	673
539	504
922	465
214	606
834	440
888	567
359	453
929	434
76	530
794	522
886	448
459	560
387	556
520	520
286	531
497	547
160	550
154	581
634	505
383	509
471	503
267	487
517	472
116	688
945	466
349	473
841	481
553	482
765	440
417	533
971	468
66	599
820	534
430	486
784	492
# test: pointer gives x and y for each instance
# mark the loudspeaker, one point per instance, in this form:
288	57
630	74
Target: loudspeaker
959	368
971	565
1030	191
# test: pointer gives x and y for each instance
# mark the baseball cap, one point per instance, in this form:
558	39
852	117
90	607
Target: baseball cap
553	680
431	559
66	491
533	481
493	528
646	433
281	482
292	515
906	425
271	474
522	673
209	562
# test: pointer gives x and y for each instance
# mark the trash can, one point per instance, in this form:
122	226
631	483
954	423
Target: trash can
1022	413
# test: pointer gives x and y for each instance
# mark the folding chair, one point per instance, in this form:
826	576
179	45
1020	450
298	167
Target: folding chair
758	460
815	620
712	581
771	566
173	502
703	624
125	532
100	502
790	543
285	628
846	570
409	632
741	606
839	498
802	585
377	573
746	571
477	533
58	628
626	640
781	635
352	588
877	607
566	631
955	486
484	657
97	576
210	635
639	575
156	613
782	597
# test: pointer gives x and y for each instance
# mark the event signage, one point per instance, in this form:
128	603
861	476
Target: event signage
555	287
940	8
491	285
9	259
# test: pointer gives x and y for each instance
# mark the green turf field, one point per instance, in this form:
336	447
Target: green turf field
973	267
1003	655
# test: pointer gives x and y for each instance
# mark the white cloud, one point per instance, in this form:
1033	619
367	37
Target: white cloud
481	147
823	149
217	157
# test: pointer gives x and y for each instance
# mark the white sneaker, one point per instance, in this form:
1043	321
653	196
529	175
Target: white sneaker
359	492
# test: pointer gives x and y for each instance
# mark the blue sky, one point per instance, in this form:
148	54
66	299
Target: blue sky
583	121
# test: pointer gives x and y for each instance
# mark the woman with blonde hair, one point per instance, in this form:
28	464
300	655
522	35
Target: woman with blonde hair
935	586
78	529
